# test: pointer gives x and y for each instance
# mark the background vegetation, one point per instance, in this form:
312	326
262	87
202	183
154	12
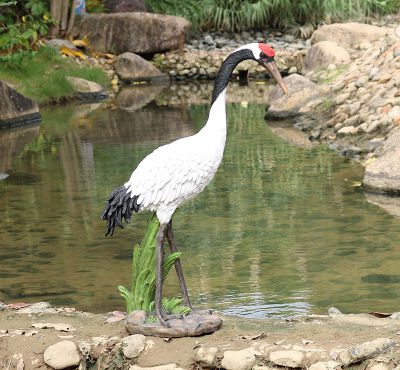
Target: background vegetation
237	15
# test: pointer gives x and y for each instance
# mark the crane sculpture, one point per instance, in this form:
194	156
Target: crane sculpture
174	173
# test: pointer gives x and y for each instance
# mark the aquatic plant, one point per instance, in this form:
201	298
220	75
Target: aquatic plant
143	287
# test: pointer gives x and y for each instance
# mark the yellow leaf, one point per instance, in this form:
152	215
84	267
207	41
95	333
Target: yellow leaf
45	17
72	53
80	43
356	184
370	160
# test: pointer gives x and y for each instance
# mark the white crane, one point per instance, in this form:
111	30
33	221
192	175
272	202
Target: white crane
177	172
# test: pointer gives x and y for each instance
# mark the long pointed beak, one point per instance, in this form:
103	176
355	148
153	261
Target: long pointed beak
274	71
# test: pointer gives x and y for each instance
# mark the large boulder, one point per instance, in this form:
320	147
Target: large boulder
324	53
16	108
383	175
121	6
300	91
348	35
132	67
140	33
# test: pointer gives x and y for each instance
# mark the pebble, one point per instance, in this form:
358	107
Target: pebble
207	356
328	365
341	98
133	345
348	130
161	367
362	81
62	355
288	358
239	360
332	311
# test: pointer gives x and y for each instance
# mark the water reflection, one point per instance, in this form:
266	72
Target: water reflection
279	231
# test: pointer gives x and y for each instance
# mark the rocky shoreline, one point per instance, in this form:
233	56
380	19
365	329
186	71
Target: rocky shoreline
38	336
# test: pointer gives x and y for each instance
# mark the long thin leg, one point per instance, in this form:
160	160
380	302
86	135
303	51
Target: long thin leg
159	281
178	266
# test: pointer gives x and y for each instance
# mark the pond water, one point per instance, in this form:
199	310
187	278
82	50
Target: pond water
281	230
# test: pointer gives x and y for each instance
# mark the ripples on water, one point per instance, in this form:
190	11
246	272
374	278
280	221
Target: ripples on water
280	230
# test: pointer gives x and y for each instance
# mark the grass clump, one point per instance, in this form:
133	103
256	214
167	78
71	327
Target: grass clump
42	75
238	15
143	287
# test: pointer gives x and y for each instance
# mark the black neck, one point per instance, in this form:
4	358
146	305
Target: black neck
225	72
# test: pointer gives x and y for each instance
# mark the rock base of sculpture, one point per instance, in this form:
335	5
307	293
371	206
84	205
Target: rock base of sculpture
191	325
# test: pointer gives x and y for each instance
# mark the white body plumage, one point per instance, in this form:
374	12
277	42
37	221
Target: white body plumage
176	172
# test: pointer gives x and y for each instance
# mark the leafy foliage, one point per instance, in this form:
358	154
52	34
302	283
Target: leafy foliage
21	27
96	6
236	15
142	293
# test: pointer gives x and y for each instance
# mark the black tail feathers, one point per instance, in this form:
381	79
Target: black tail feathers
119	206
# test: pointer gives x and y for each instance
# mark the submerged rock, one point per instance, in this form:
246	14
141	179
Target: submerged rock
16	108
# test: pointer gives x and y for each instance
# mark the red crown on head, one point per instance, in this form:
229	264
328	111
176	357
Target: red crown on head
267	50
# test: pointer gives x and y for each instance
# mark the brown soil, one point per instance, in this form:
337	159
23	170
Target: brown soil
321	332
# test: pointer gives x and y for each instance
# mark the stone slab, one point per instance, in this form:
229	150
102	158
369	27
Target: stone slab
192	325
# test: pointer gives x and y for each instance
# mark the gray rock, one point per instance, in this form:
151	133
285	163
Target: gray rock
209	40
332	311
207	357
362	81
62	355
383	175
36	308
59	43
348	130
87	90
341	98
301	91
239	360
3	176
140	33
372	127
323	54
288	358
132	67
348	35
366	350
373	72
133	345
16	108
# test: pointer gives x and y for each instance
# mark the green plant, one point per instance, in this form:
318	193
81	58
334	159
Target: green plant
142	293
95	6
237	15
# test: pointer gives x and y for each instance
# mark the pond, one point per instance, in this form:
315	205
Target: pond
282	229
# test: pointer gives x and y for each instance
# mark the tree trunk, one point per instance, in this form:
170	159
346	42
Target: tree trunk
71	17
55	12
64	16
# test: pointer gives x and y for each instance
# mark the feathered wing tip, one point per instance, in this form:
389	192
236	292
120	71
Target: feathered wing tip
119	206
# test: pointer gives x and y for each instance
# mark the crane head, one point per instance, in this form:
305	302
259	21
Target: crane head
264	54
